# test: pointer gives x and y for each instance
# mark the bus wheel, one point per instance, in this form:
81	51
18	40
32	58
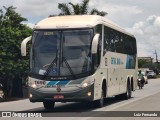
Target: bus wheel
128	93
100	102
125	96
48	104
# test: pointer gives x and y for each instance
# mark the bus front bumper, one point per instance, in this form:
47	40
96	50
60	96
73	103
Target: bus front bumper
83	94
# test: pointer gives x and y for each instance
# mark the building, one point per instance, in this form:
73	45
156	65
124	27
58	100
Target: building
147	59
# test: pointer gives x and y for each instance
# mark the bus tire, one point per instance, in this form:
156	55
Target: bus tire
128	93
100	103
48	105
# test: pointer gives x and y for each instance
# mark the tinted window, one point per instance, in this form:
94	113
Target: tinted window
116	41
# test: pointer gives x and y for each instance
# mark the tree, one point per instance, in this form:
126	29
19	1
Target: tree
141	63
12	67
78	9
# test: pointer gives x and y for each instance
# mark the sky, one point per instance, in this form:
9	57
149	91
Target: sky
139	17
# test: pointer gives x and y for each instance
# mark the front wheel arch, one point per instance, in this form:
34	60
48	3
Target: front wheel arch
104	87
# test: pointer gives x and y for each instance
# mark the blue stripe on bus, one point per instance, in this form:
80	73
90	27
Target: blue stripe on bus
62	82
130	62
52	83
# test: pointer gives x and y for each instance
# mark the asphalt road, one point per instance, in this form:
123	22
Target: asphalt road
147	99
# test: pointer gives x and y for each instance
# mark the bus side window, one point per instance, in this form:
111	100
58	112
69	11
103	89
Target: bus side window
112	47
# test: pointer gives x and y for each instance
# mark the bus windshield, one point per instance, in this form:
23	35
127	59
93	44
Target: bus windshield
61	53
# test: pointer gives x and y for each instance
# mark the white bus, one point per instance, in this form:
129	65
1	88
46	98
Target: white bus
80	58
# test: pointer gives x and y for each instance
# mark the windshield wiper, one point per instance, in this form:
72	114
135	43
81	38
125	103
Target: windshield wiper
50	66
69	68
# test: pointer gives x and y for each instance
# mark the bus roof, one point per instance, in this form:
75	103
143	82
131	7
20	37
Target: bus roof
76	21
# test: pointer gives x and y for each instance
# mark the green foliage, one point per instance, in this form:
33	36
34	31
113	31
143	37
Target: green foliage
78	9
12	32
64	8
141	63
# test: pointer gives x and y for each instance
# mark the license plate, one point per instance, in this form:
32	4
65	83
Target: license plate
58	96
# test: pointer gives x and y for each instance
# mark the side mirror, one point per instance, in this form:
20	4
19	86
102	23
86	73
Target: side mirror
95	44
24	44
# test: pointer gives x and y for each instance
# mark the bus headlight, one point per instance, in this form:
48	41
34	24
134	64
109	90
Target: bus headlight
1	94
33	85
30	95
85	84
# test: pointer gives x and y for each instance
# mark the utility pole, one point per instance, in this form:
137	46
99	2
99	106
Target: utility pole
156	56
157	63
